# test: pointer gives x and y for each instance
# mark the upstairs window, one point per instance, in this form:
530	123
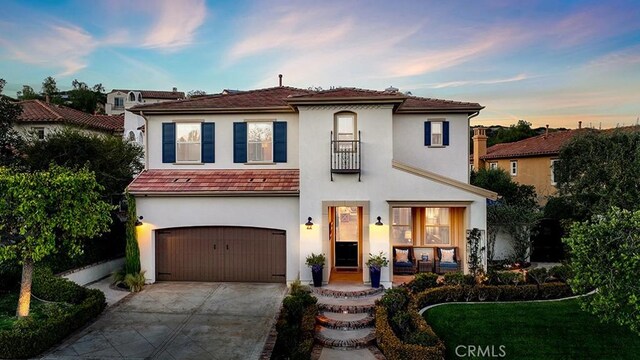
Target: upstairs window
132	96
493	166
553	171
260	142
118	103
436	133
344	130
188	142
139	97
514	168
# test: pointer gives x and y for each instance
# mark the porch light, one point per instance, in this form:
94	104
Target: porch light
309	223
138	222
379	222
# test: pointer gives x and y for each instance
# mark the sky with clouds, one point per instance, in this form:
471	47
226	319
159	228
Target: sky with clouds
547	62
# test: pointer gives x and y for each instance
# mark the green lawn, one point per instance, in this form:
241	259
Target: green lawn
8	305
550	330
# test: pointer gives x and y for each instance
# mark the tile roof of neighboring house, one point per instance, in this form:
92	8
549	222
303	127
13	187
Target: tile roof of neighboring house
156	94
538	145
220	182
36	111
271	98
282	98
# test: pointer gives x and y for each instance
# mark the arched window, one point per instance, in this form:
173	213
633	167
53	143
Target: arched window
345	130
139	97
132	96
132	136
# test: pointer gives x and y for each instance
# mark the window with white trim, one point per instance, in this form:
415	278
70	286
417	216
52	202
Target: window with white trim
436	133
259	141
188	145
514	168
118	102
38	132
437	228
553	171
493	165
401	226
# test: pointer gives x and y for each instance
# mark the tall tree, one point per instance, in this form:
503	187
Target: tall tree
49	87
85	98
10	141
600	169
519	131
43	211
27	93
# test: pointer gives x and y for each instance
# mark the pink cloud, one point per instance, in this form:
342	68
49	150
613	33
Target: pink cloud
175	23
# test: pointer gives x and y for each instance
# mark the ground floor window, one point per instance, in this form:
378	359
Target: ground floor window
427	226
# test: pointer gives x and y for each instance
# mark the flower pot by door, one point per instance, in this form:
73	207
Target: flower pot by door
317	277
375	277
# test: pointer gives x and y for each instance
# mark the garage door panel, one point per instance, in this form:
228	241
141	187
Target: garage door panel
221	254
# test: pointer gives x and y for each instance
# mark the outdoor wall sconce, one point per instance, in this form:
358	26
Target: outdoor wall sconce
138	222
309	223
379	222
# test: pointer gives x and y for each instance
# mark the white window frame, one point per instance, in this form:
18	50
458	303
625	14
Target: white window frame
513	167
338	136
199	160
493	165
37	130
249	143
438	226
553	174
399	225
115	102
440	123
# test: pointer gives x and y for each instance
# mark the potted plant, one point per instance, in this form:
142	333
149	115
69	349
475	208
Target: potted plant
316	263
375	264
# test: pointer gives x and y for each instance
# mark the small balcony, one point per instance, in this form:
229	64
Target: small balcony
346	156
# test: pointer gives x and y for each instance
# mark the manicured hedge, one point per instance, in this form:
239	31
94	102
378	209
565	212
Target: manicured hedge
394	349
296	325
29	337
444	294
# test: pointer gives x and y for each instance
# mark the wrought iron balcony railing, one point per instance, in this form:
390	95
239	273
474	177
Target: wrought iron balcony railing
346	156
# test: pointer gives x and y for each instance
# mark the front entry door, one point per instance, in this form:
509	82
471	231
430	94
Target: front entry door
346	231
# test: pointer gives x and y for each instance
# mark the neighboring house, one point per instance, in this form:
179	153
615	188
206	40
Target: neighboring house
39	118
529	161
118	101
244	186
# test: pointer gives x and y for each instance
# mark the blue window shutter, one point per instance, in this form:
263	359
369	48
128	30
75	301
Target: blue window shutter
280	141
208	142
445	133
240	142
168	142
427	133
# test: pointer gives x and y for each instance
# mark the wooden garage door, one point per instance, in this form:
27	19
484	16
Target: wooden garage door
221	254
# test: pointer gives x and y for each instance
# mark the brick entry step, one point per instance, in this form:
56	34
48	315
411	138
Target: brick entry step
345	325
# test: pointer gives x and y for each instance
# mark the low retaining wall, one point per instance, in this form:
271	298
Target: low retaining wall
94	272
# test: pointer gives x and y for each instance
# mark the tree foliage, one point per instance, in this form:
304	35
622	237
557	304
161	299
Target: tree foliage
85	98
43	211
519	131
193	93
113	160
27	93
132	251
10	141
49	87
598	170
605	254
516	212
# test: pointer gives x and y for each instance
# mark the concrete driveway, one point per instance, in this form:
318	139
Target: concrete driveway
181	320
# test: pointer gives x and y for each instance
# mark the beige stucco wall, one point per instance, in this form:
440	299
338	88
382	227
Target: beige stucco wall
534	171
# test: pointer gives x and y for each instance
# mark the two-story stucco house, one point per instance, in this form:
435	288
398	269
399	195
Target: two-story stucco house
244	186
119	101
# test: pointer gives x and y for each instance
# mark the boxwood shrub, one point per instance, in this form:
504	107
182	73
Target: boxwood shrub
29	337
296	325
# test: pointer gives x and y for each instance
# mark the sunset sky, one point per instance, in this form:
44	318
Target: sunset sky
547	62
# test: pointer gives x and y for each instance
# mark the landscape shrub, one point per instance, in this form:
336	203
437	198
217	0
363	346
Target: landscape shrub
554	290
296	325
561	272
29	336
422	282
507	278
395	349
458	278
537	276
394	300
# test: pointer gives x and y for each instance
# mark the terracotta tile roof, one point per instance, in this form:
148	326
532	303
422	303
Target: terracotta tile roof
156	94
253	99
217	182
282	98
36	111
538	145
